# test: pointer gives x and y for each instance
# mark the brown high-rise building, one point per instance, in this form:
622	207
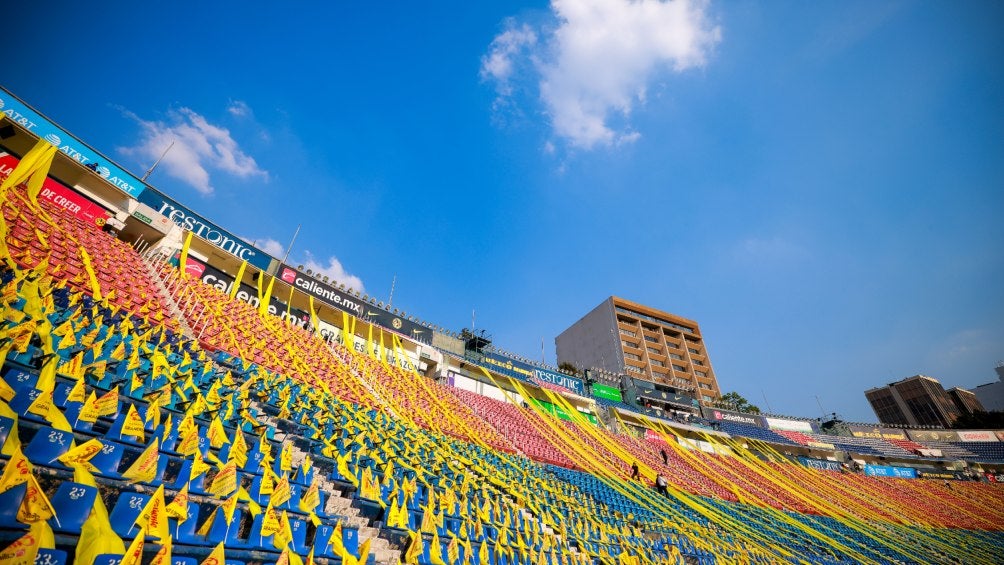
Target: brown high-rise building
648	344
915	401
965	401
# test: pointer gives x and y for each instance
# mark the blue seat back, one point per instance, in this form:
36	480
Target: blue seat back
72	503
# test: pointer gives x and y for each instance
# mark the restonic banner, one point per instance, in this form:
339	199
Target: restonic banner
567	381
208	231
789	425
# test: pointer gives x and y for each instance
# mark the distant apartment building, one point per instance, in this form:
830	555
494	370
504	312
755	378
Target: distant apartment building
991	395
965	401
648	344
916	401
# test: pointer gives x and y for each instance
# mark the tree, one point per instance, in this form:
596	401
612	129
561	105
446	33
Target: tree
735	401
568	368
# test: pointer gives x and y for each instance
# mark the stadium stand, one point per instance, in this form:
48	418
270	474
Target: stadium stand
147	417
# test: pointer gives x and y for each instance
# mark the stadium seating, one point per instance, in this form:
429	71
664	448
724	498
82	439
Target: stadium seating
258	436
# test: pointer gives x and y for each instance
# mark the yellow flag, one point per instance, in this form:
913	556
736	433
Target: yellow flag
415	548
134	554
335	541
217	433
178	508
225	481
436	551
281	493
284	535
364	550
82	453
144	469
35	507
154	516
163	556
310	499
236	285
108	403
270	521
229	506
183	258
24	549
217	557
16	471
483	554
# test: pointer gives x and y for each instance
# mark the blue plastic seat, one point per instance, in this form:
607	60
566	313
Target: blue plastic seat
127	508
107	460
72	503
10	501
47	445
51	557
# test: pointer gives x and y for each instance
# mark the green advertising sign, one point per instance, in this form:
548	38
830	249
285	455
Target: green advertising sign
607	392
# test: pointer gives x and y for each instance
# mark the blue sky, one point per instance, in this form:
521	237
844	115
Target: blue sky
820	186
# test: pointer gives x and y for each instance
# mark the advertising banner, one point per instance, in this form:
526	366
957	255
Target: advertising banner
607	392
995	477
734	417
876	432
889	471
653	436
19	113
346	302
247	293
208	231
821	464
789	425
58	194
933	435
941	474
507	366
820	445
977	435
567	381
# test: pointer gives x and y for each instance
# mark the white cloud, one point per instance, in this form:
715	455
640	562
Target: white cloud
596	60
333	268
270	246
199	147
239	108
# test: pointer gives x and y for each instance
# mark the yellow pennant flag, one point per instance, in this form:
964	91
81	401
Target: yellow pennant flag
24	549
217	433
6	392
78	392
81	454
286	458
134	553
108	403
270	521
163	556
217	557
282	492
415	548
144	469
199	466
183	258
284	536
92	278
16	471
154	516
225	481
35	507
335	541
483	553
178	508
310	499
436	551
364	550
236	285
229	506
